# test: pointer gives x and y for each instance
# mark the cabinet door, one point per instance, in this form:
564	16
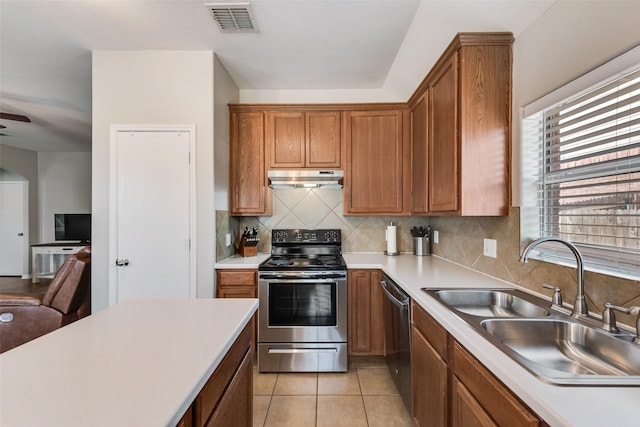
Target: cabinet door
365	321
248	191
485	129
444	145
374	182
323	148
466	411
285	139
494	397
429	366
220	385
419	155
236	406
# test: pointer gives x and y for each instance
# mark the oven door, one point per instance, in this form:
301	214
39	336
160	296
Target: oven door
300	307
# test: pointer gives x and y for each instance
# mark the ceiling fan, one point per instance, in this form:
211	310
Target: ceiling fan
14	117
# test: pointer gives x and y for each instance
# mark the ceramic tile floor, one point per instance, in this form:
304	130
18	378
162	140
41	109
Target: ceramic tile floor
363	396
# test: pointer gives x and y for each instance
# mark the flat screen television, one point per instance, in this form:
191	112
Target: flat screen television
73	227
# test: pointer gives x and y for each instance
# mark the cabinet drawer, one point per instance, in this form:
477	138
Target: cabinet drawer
430	329
237	277
495	398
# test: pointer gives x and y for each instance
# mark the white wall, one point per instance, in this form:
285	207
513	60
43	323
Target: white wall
570	39
152	87
65	187
225	93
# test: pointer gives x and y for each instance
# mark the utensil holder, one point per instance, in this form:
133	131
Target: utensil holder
248	246
422	246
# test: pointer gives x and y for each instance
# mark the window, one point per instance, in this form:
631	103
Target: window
581	175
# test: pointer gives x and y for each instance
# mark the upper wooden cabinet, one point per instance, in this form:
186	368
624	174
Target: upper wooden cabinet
468	129
443	152
376	157
303	139
419	155
447	151
248	192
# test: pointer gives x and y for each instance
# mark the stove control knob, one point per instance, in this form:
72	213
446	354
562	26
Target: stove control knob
280	236
331	236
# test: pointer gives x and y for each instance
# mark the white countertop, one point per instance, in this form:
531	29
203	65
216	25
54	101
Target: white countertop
557	405
238	262
138	363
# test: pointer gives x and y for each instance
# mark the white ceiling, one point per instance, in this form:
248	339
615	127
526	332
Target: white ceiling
386	45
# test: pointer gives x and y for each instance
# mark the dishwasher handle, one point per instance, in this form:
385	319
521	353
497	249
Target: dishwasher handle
404	305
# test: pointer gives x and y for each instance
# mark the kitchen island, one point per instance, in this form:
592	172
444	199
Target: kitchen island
557	405
138	363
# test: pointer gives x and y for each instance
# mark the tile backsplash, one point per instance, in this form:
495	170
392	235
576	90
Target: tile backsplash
461	241
318	208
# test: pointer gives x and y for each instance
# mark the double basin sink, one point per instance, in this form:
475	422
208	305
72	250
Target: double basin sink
552	345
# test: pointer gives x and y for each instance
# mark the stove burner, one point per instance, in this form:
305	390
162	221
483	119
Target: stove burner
304	261
280	262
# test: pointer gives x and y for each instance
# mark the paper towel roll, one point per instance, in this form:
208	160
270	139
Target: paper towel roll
392	247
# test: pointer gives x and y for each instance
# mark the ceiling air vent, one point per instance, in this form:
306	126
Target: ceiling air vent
233	17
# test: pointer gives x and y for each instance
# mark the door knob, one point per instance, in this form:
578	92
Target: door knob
20	234
122	262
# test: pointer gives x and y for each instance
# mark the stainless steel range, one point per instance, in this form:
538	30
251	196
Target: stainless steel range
302	315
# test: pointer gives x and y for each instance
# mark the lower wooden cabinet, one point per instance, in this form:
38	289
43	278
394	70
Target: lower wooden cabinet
466	411
236	406
236	283
452	388
226	399
365	321
429	370
496	400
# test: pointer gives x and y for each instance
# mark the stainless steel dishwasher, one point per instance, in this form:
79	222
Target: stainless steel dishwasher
397	336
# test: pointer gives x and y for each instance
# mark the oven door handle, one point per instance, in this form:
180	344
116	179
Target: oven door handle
404	305
306	276
302	350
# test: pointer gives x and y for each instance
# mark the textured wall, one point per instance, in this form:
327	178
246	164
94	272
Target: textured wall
461	241
314	208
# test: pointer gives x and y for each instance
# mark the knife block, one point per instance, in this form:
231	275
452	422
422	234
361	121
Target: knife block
247	248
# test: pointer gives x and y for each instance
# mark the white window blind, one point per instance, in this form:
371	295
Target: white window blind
581	176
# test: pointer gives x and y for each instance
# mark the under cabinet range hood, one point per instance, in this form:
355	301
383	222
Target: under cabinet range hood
283	179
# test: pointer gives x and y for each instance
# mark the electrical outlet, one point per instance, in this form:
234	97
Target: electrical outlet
436	236
490	248
227	239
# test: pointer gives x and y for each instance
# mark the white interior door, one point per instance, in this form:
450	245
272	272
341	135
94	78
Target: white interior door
153	221
13	228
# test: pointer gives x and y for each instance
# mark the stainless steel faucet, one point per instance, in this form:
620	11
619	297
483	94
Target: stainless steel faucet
609	319
580	305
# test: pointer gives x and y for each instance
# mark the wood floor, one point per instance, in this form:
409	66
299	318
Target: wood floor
16	285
